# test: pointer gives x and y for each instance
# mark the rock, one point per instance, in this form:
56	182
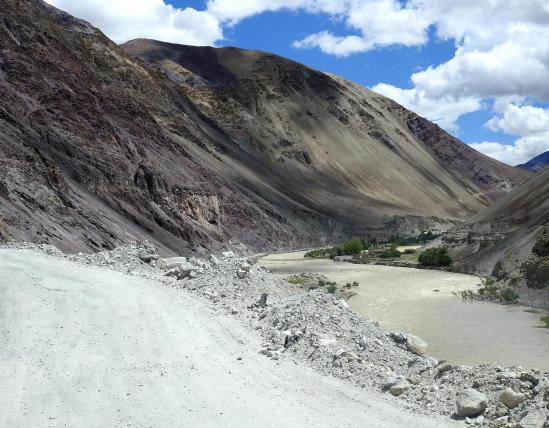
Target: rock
363	342
262	303
399	388
343	304
534	419
511	399
214	261
183	270
399	338
443	368
173	262
470	402
389	382
328	342
147	258
246	267
241	274
414	379
228	254
415	344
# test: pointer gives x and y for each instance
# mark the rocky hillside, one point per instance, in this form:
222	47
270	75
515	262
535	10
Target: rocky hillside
509	240
537	163
200	148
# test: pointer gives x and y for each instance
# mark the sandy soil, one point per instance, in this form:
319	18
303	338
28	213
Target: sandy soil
84	346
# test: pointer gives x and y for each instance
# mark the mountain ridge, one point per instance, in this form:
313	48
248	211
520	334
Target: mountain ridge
101	148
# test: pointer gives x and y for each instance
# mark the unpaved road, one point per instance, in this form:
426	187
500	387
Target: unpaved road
89	347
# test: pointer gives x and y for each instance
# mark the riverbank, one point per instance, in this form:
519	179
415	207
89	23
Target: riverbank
424	302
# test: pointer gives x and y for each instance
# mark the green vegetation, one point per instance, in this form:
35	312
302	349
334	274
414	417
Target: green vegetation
331	289
354	246
390	253
492	292
409	251
421	239
509	295
297	280
546	321
351	284
436	257
322	283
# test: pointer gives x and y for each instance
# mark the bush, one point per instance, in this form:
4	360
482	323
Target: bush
297	280
435	257
355	284
331	288
409	251
390	253
509	295
546	321
352	247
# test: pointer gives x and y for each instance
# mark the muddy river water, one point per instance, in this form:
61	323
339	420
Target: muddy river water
422	302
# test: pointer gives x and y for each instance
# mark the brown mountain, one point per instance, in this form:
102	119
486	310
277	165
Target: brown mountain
198	148
509	240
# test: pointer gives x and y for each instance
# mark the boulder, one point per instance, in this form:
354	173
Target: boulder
328	342
173	262
399	388
214	261
241	273
415	344
228	254
246	267
470	402
183	270
534	419
511	399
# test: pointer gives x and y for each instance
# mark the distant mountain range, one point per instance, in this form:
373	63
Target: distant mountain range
536	163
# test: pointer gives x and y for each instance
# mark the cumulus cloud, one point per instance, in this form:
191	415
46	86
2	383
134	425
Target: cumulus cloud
444	112
528	122
520	152
124	20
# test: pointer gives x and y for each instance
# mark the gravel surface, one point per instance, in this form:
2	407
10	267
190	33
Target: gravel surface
288	326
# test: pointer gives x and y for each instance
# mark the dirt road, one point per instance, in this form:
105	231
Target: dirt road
90	347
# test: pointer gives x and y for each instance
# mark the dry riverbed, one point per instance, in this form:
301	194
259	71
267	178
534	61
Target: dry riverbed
424	303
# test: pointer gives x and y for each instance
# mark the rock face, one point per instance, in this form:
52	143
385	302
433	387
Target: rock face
509	240
470	402
193	148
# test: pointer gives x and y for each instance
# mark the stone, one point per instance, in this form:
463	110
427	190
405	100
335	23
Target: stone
214	261
228	254
343	304
173	262
182	270
511	399
415	344
241	273
246	267
399	388
470	402
534	419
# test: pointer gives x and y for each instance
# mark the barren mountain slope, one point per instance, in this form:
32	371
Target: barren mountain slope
332	144
537	163
511	238
98	148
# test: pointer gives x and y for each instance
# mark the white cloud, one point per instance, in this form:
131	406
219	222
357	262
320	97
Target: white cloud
521	120
124	20
444	112
530	123
521	151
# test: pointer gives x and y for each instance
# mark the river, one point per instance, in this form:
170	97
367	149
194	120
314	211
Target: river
422	302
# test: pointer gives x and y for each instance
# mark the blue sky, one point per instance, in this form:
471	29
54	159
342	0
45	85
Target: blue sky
480	69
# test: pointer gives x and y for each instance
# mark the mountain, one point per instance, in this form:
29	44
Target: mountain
509	240
536	163
198	148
